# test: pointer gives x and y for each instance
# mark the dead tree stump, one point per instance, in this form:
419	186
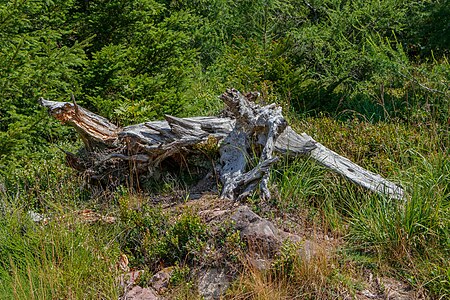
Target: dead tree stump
111	151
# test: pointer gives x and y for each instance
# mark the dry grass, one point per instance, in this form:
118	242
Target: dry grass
290	276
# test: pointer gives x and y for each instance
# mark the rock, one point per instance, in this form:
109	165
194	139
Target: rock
213	283
160	281
129	279
261	235
394	289
264	239
382	288
37	217
138	293
369	294
259	263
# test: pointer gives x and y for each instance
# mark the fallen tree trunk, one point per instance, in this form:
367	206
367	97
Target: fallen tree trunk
139	150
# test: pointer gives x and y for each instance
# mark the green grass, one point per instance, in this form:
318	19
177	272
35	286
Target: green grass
410	237
62	259
70	259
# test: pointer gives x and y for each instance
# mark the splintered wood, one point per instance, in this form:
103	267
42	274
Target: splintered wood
111	151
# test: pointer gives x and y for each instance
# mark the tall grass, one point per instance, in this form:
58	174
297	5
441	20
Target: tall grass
411	236
61	257
65	259
299	182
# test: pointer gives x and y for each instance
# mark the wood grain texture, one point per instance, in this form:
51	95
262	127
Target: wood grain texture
145	146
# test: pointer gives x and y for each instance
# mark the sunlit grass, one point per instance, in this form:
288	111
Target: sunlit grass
64	258
408	239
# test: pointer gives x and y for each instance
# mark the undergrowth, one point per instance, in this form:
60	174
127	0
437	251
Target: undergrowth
408	239
368	79
64	258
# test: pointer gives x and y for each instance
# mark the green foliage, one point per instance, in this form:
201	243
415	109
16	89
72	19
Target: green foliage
428	29
380	68
405	234
184	239
353	56
179	275
61	259
33	63
142	74
227	240
286	261
154	240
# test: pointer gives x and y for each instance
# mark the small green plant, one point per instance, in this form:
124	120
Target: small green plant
180	274
154	238
228	241
285	264
185	239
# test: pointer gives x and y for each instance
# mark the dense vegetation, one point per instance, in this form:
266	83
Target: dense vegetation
369	79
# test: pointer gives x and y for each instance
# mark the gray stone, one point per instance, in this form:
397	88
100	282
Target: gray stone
259	263
160	281
264	239
213	283
138	293
35	217
260	234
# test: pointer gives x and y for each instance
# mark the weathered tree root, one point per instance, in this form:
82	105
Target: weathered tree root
142	148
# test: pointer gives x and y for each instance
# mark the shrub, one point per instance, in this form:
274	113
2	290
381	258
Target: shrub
154	239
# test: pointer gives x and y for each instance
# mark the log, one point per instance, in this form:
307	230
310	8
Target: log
110	151
94	130
354	172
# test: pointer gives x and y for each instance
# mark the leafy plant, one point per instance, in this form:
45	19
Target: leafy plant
153	239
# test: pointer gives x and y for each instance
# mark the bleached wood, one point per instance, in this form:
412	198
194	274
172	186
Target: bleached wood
251	119
147	145
355	173
233	159
291	143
